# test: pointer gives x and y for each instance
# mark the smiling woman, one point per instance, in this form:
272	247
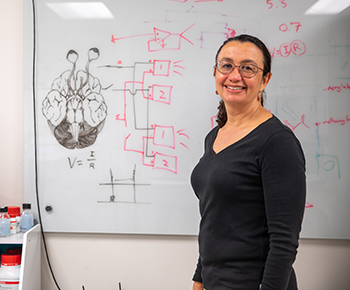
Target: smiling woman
251	45
241	92
250	182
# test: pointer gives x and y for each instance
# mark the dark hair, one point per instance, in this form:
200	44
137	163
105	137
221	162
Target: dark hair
222	115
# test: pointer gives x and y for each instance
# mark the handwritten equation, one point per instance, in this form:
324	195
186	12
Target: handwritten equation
296	47
74	162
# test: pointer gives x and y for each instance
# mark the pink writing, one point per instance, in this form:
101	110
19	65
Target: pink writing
301	123
296	47
282	3
308	205
331	120
338	89
284	27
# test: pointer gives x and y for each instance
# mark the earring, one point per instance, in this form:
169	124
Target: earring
216	92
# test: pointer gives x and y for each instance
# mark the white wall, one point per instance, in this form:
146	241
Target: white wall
167	262
99	262
137	261
11	96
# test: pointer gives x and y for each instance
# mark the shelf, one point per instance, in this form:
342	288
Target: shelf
30	267
13	239
17	238
30	263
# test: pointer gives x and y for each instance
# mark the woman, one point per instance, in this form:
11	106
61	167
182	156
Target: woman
250	181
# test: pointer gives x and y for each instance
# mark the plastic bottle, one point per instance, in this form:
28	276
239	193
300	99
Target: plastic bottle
10	272
14	212
27	220
5	223
18	218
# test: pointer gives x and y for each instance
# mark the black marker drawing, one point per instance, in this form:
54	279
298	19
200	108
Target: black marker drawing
74	108
123	182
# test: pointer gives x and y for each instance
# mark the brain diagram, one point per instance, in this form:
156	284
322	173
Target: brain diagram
74	108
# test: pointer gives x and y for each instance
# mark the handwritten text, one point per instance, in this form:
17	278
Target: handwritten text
332	120
338	89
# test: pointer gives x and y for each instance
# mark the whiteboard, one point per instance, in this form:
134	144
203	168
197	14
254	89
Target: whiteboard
140	84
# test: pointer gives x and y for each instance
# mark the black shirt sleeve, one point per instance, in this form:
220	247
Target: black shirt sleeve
198	273
284	186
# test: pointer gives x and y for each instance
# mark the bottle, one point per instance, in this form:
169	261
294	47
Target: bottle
5	223
27	220
14	212
18	218
10	272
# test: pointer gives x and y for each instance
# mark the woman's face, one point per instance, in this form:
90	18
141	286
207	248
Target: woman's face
233	88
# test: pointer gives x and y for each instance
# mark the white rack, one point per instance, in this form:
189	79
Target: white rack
30	264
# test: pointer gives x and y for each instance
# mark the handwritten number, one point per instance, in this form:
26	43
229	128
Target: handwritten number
282	2
284	27
269	2
297	25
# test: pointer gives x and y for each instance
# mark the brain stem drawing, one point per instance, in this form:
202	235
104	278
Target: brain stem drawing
74	108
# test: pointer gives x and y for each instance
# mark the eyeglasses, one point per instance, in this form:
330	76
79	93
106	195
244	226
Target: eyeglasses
246	70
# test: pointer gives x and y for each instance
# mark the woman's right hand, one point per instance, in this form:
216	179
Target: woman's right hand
197	286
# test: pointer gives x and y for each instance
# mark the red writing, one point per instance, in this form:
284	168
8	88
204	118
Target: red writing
297	47
308	205
338	89
301	123
284	27
331	120
162	40
230	33
283	4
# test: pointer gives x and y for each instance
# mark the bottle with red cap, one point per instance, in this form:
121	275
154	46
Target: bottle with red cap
10	272
14	213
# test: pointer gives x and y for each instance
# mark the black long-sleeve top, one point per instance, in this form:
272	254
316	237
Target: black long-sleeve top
252	200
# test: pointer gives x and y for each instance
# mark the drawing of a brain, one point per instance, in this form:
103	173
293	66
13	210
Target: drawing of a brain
74	108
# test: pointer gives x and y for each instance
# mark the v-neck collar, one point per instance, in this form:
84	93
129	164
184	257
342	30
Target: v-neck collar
215	134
